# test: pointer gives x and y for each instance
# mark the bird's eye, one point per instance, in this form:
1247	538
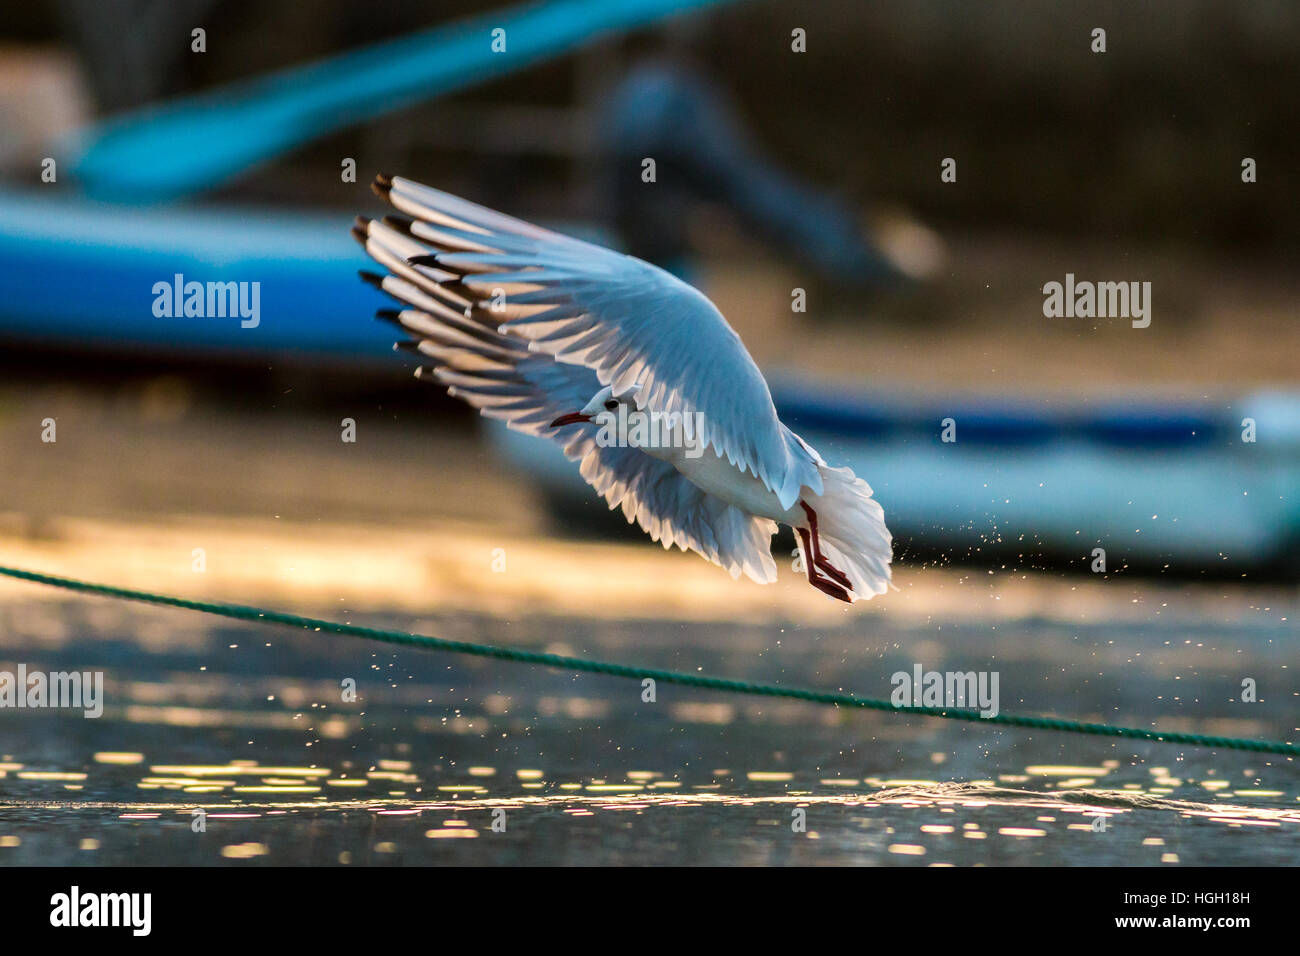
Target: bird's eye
611	404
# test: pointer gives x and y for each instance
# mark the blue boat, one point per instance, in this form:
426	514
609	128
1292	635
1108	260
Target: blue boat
1151	484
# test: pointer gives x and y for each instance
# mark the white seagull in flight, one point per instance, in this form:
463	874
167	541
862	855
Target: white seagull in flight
560	337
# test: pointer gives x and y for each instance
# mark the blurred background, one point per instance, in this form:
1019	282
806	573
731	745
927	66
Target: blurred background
1115	527
799	185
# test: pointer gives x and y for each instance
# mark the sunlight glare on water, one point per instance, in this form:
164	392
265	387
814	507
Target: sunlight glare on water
453	760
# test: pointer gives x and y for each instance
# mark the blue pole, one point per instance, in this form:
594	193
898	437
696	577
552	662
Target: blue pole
198	142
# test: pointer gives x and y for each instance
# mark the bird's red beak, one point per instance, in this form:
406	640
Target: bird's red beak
570	419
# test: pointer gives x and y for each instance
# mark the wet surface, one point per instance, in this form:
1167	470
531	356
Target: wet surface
445	759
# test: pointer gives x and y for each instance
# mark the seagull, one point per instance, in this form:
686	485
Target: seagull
636	373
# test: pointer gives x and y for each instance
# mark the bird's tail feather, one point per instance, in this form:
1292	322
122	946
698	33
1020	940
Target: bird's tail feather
852	532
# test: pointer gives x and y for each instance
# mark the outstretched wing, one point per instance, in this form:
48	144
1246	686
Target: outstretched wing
673	511
498	374
626	320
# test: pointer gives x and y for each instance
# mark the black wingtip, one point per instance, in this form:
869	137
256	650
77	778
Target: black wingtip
436	261
398	224
374	278
389	315
382	185
359	234
456	287
406	345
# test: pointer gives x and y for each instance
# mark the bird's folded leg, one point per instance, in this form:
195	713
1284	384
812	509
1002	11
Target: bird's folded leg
820	560
825	585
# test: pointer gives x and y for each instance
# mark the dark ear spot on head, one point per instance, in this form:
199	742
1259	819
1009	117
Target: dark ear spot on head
611	404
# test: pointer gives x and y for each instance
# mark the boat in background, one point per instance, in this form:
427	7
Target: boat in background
79	272
1151	483
1155	485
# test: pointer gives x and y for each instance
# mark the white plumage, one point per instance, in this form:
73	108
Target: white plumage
562	338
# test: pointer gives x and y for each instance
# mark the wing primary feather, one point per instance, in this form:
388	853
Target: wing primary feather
576	317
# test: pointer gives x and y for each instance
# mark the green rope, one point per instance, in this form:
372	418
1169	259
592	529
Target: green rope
561	662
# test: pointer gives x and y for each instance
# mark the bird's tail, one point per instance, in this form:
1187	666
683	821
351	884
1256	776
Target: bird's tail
851	528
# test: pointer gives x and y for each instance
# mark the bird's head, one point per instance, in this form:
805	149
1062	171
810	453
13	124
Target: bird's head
604	404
